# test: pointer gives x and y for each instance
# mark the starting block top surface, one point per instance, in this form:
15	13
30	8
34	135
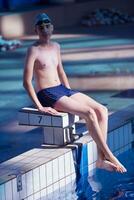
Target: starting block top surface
32	117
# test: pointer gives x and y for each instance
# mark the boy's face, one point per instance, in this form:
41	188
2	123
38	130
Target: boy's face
44	29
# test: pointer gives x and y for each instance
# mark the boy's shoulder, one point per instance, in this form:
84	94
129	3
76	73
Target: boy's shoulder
56	44
32	48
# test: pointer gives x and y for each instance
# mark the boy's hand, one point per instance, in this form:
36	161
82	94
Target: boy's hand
49	110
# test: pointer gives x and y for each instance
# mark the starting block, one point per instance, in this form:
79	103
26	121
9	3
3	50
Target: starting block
57	129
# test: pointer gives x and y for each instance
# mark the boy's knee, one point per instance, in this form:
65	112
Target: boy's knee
90	114
102	112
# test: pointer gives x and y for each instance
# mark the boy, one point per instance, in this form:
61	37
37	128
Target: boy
52	92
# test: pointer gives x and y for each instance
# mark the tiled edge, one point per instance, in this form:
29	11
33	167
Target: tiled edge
44	175
119	118
121	139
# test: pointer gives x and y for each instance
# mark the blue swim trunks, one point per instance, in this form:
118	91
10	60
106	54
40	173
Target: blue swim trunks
49	96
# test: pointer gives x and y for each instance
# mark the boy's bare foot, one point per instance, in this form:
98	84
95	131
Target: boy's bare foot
115	161
107	165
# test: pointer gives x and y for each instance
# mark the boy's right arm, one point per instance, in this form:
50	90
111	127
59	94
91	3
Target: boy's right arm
28	75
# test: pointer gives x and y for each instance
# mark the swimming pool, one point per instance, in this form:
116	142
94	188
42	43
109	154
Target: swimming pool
69	173
103	185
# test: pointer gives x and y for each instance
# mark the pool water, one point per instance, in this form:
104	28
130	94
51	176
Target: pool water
115	185
109	186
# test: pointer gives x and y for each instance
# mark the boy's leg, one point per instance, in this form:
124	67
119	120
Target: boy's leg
101	112
67	104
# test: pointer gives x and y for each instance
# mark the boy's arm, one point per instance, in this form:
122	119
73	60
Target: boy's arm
28	75
61	72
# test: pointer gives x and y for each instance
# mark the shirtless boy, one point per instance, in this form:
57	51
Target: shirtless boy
52	92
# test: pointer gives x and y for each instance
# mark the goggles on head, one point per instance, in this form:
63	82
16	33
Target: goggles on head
43	25
43	22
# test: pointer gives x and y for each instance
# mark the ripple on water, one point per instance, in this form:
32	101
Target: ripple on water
123	190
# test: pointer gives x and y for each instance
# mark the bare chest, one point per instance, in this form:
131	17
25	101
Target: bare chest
46	60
